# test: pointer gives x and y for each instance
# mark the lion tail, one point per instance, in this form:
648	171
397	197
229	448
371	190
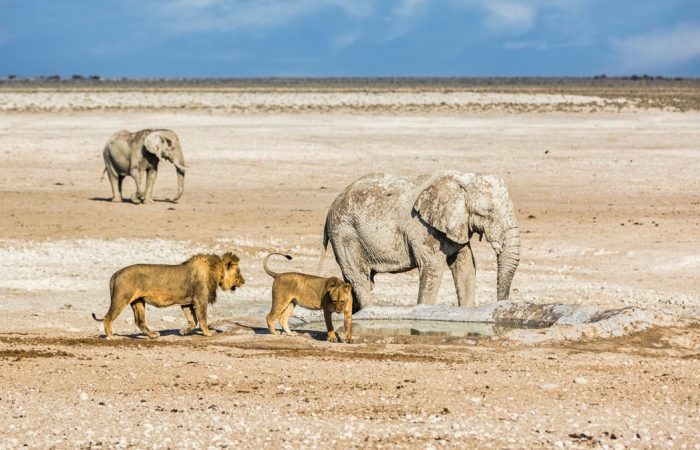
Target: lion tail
96	319
267	270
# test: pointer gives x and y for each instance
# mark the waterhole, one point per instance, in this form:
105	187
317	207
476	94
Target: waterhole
417	328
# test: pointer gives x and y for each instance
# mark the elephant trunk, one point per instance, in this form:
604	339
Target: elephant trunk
507	261
180	182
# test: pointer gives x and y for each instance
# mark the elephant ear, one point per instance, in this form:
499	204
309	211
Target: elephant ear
155	144
442	205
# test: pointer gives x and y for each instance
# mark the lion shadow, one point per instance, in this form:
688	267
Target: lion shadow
163	333
258	330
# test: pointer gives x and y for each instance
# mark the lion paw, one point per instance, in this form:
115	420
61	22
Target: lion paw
186	331
291	333
154	335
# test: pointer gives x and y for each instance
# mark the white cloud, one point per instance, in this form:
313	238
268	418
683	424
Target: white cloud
658	50
509	16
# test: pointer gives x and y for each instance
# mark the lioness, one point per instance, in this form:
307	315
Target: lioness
291	288
192	285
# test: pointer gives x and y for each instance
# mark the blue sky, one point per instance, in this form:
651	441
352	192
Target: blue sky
242	38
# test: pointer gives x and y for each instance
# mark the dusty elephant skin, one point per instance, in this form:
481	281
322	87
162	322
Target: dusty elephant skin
192	285
311	292
382	223
137	155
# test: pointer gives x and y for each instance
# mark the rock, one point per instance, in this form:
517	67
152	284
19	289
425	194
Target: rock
548	386
83	396
580	380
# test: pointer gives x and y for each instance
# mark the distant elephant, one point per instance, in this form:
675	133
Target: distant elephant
387	224
138	154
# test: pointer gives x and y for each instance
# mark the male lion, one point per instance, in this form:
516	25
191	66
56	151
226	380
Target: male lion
192	285
291	288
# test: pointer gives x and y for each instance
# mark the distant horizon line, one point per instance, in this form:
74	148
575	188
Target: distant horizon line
94	77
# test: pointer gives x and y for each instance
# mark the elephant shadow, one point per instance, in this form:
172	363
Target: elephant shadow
129	201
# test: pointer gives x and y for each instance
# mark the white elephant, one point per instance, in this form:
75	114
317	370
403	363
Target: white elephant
137	155
387	224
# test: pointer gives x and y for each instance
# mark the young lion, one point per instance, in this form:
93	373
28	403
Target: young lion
192	285
291	288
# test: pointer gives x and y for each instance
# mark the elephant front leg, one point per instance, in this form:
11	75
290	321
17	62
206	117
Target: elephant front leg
137	176
430	279
150	182
463	269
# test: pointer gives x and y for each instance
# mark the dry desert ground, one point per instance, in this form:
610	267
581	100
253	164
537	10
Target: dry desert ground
607	192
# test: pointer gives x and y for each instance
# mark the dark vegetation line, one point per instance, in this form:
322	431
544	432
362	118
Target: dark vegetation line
345	82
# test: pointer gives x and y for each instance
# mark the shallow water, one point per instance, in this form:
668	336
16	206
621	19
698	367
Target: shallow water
415	328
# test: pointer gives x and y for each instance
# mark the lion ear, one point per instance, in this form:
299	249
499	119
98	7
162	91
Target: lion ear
331	283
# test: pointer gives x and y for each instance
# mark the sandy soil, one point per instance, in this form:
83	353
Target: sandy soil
609	207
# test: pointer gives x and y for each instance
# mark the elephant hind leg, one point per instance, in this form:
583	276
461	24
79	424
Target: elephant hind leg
463	269
120	182
115	181
355	270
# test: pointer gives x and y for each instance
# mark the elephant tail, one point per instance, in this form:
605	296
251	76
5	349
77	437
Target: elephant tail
324	250
267	270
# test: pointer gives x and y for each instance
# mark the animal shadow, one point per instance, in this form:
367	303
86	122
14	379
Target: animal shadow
163	333
128	200
315	335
